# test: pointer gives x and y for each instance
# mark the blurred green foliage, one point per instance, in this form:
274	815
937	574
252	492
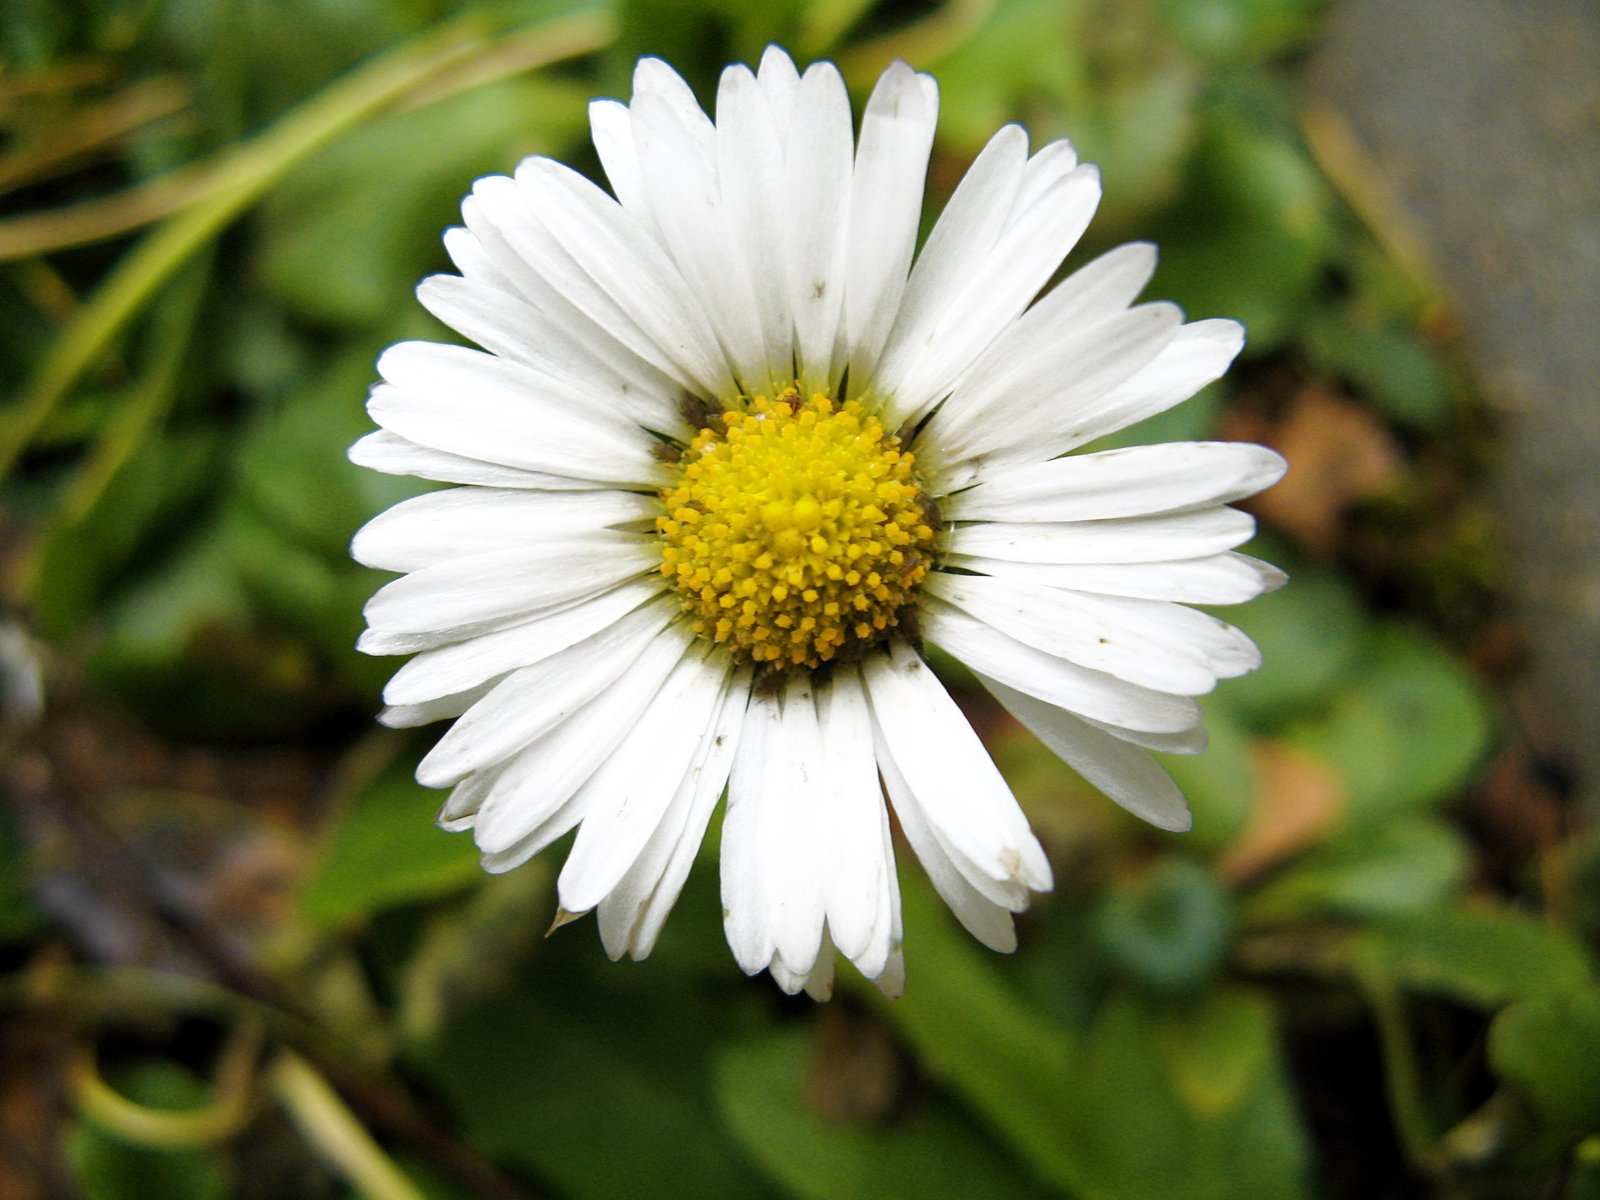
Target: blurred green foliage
179	506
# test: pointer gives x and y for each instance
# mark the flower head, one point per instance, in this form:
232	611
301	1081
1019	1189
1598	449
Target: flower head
731	450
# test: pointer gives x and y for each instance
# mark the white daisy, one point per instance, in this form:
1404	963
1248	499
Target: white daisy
728	456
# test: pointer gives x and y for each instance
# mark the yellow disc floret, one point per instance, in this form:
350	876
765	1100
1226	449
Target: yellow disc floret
794	530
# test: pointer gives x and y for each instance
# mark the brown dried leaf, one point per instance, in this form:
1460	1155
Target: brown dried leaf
1300	797
1339	454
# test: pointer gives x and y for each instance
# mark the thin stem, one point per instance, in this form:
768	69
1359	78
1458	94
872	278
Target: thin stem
228	1111
1402	1078
332	1129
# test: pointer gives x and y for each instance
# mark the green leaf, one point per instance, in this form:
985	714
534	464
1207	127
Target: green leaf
1252	235
973	1032
1240	30
1097	1111
384	849
760	1088
1409	735
1216	1045
1403	378
1214	1121
1404	867
597	1083
1483	956
1170	928
1548	1050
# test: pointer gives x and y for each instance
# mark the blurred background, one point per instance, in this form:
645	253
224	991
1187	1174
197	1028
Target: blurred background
238	960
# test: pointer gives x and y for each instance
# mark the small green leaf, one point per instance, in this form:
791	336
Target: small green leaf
1240	30
598	1084
1137	1121
1404	867
1408	735
1216	1045
1405	381
971	1030
1252	238
1483	956
1548	1049
384	849
760	1088
1170	928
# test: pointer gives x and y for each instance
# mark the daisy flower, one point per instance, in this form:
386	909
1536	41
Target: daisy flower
732	452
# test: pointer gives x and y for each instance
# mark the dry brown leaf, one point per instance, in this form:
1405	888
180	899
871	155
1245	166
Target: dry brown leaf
1339	454
1299	798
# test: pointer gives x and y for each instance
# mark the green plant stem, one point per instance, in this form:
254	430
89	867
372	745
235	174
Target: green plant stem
332	1129
244	175
1402	1079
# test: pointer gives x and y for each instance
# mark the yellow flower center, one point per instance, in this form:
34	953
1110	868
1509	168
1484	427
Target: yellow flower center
794	530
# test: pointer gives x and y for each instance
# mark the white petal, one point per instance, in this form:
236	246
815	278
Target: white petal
473	404
561	344
530	802
1017	408
1199	354
817	981
1189	741
798	850
1121	483
1141	645
611	128
532	260
1028	348
945	765
818	167
774	845
1055	680
886	207
531	701
757	775
781	83
618	253
444	670
440	526
1227	578
962	238
921	371
630	793
394	455
1191	534
680	181
985	920
471	593
631	917
439	708
1125	773
653	77
580	244
860	868
750	171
